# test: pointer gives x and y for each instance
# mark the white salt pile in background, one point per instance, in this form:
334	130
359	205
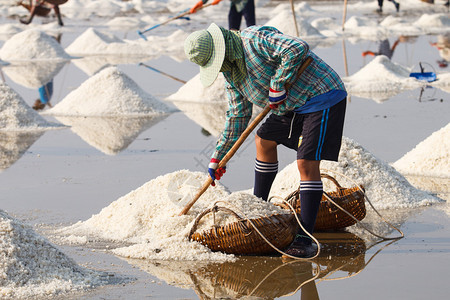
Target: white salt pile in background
194	91
32	44
384	186
109	93
148	218
429	158
17	115
31	267
94	42
380	75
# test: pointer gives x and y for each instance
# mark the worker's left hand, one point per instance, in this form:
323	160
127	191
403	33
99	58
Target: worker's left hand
215	2
276	98
214	172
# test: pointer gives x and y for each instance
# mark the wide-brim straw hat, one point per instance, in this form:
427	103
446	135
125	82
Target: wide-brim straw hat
206	48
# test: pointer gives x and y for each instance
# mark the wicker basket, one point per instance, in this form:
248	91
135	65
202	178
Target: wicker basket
241	237
330	217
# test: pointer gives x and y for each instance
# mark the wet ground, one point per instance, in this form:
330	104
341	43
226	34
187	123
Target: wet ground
60	177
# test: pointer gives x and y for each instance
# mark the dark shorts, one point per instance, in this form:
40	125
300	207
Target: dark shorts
315	136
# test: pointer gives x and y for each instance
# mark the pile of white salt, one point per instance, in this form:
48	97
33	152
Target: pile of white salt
148	218
17	115
380	75
385	187
30	266
429	158
109	93
32	44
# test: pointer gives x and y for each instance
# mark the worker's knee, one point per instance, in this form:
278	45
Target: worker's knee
309	169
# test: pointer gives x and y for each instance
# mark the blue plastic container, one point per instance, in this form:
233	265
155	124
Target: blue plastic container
424	76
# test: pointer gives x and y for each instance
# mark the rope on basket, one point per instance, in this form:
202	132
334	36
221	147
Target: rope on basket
371	205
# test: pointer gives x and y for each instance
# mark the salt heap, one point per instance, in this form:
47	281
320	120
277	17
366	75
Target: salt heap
194	91
284	22
148	218
17	115
94	42
31	267
385	187
109	93
381	75
429	158
32	44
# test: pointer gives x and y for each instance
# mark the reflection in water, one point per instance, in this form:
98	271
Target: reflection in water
14	144
210	116
33	74
110	135
343	255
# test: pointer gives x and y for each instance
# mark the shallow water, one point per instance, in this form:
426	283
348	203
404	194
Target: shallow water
62	176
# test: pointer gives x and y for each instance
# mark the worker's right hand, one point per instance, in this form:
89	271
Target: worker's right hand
215	2
214	172
197	6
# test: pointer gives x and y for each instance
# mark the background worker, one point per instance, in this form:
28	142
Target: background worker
260	66
238	9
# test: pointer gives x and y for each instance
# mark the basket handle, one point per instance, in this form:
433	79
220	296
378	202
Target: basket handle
213	209
338	186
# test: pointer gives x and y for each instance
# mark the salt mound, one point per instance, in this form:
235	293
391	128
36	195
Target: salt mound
385	187
16	115
381	75
31	267
194	91
148	217
94	42
32	44
429	158
284	22
433	22
109	93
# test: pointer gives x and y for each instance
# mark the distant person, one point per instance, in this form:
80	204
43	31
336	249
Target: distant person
45	94
238	9
261	67
380	5
42	8
384	48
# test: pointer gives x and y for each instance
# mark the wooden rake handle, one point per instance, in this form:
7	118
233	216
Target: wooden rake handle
238	144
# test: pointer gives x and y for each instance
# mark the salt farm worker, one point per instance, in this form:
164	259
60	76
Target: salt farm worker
238	9
258	63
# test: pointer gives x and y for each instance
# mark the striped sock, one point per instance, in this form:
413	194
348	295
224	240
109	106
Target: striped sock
310	196
264	176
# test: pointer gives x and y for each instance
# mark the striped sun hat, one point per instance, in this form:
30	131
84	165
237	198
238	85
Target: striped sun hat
206	48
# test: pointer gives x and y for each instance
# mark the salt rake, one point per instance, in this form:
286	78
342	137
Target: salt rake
238	143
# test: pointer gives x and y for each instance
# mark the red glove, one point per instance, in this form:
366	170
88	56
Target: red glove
215	2
214	172
276	98
197	6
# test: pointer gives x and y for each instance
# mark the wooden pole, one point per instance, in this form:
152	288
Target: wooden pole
295	19
344	17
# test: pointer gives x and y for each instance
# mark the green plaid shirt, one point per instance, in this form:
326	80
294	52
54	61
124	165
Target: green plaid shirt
272	60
